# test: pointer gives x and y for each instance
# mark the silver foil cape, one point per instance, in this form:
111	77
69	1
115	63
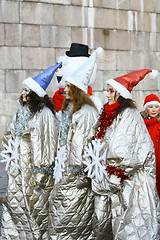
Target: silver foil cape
72	202
127	210
26	207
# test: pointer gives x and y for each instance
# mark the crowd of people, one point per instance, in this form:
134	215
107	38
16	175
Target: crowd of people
84	173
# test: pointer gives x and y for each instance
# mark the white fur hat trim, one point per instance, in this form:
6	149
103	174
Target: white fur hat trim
119	88
149	103
34	86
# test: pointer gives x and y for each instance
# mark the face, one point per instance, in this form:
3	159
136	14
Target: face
25	92
112	95
69	65
153	110
67	90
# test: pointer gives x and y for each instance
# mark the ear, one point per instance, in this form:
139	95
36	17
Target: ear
117	95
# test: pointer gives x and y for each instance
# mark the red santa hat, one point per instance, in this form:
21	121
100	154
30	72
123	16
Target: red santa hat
125	83
151	99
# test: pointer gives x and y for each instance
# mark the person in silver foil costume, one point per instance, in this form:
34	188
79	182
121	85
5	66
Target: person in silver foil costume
29	148
120	160
71	202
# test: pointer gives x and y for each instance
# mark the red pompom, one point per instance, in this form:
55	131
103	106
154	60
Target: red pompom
111	169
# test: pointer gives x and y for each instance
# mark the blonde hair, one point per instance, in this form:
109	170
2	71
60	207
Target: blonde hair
79	98
144	114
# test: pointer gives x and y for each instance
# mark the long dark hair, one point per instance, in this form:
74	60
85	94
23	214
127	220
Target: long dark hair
125	103
79	98
36	103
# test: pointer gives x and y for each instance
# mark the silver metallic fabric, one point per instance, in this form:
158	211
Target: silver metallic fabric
71	203
127	210
26	207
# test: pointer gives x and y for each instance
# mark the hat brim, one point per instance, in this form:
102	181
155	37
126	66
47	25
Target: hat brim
76	83
72	54
34	86
119	88
150	103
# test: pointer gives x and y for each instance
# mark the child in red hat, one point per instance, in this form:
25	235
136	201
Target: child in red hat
151	116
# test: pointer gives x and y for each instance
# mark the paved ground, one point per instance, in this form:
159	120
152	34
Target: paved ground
3	186
0	216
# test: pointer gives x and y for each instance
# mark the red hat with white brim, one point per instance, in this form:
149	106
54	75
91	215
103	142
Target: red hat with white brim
151	99
124	84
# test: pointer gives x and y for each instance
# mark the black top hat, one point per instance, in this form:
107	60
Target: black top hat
78	50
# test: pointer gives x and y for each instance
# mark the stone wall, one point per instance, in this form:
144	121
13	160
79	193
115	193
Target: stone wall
35	33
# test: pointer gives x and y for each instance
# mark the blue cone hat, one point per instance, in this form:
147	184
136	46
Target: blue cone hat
40	83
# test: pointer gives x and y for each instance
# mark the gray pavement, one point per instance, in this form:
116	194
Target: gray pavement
3	180
3	187
0	217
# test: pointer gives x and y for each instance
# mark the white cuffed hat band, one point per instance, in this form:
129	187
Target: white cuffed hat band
149	103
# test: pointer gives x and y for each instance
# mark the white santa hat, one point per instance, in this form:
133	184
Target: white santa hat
81	77
151	99
125	83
